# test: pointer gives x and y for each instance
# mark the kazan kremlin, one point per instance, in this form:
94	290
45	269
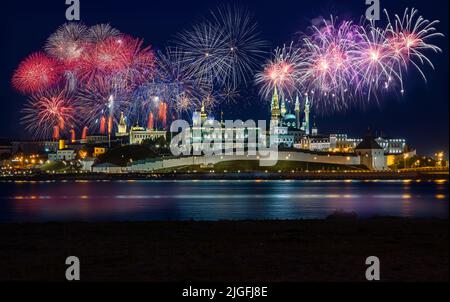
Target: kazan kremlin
298	140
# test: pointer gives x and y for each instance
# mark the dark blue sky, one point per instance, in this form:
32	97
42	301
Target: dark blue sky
421	115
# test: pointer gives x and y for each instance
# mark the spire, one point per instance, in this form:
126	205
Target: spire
203	107
203	115
275	98
283	107
297	112
122	119
306	122
122	127
275	112
297	104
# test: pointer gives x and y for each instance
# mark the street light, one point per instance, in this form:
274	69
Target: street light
405	157
440	158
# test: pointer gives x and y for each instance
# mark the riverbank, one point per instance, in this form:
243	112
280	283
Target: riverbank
310	250
212	175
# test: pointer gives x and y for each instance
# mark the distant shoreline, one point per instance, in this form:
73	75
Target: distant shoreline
413	175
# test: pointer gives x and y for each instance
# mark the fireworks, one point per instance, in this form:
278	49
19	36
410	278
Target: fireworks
205	50
102	32
36	73
223	51
50	113
183	88
87	76
282	72
340	64
102	101
69	43
409	36
244	47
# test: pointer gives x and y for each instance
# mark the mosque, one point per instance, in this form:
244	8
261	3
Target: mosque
289	127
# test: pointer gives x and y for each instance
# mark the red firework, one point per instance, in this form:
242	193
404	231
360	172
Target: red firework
142	60
162	114
110	125
122	55
50	112
102	125
85	133
106	57
151	121
55	133
36	73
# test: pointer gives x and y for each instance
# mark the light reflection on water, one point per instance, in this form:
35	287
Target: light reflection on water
217	200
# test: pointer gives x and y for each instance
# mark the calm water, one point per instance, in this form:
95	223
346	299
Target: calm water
217	200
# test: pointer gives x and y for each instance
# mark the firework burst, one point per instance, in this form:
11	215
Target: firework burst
36	73
408	38
101	32
281	72
69	43
340	64
102	101
223	51
205	51
244	47
50	113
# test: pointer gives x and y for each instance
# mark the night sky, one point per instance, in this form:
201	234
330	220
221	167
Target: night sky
421	115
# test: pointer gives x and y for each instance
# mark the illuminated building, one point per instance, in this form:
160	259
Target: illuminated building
372	155
285	126
122	127
206	129
392	146
314	143
342	143
139	134
96	139
99	151
65	154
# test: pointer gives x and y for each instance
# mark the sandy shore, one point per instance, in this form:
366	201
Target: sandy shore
329	250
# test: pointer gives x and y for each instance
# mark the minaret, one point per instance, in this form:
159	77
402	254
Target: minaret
297	112
122	127
315	130
283	108
275	112
307	111
203	115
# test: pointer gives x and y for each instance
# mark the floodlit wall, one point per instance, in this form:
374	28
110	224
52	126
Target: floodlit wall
212	160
